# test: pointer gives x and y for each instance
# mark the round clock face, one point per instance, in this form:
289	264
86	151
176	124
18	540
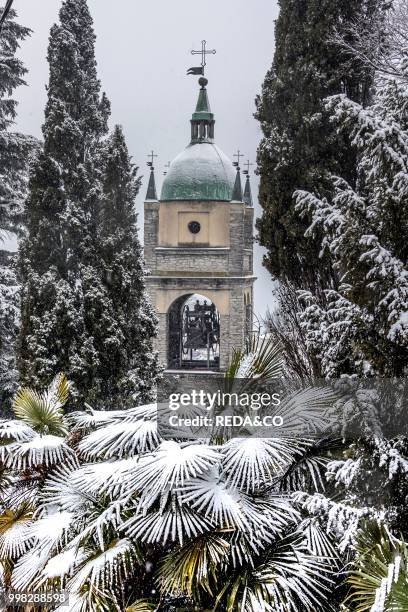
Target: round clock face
194	227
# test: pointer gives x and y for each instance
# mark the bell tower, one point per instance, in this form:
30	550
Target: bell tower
199	252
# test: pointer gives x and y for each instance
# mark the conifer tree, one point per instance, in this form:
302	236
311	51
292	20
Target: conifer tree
67	317
84	308
15	152
300	146
363	326
130	362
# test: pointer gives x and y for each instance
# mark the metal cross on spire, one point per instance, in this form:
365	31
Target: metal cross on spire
247	164
203	52
152	156
238	154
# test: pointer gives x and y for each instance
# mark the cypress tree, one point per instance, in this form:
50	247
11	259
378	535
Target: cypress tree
301	147
84	308
130	363
64	303
15	152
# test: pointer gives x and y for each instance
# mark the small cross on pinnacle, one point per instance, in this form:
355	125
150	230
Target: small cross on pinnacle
238	154
247	164
152	156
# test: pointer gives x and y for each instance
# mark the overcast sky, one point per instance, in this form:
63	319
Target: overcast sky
143	51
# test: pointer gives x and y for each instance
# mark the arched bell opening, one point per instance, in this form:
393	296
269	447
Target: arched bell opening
194	334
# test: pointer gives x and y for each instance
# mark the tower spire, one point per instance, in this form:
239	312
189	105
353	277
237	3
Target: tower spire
247	190
237	191
151	188
202	120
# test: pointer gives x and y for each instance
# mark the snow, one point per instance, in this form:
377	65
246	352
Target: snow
63	563
41	450
200	172
52	526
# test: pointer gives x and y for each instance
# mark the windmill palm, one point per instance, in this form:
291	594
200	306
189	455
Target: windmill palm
36	439
211	519
378	579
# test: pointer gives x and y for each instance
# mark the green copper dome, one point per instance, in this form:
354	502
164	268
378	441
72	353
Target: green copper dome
202	171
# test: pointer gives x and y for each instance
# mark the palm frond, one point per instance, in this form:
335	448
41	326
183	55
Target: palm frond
47	450
291	579
15	431
262	360
142	605
101	570
174	524
28	568
101	418
248	462
211	497
108	478
45	535
194	566
43	411
64	490
309	465
57	393
379	578
309	411
170	466
120	440
318	541
15	534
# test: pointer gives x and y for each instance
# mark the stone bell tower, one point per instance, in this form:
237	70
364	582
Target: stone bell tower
199	252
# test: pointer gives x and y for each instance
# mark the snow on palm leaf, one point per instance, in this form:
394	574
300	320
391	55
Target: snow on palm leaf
378	578
129	495
259	518
170	466
100	418
36	439
248	462
67	490
40	451
211	496
174	524
14	532
62	564
101	569
291	574
262	360
45	536
15	431
121	439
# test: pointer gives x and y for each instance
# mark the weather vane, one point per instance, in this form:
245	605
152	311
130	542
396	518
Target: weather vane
203	52
152	156
247	164
239	155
